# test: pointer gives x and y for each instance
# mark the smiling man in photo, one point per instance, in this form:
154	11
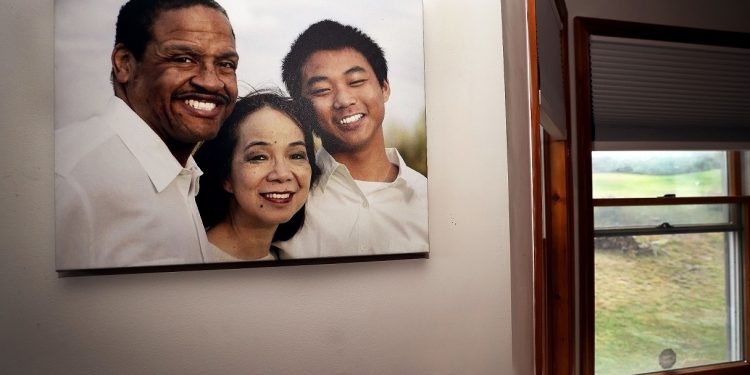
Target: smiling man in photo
125	180
368	201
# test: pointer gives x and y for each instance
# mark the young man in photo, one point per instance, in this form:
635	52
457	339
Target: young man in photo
125	180
368	201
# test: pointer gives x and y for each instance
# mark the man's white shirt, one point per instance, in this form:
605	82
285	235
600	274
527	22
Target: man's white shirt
121	197
345	217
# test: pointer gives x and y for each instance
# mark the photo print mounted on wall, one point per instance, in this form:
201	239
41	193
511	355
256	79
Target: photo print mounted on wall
241	133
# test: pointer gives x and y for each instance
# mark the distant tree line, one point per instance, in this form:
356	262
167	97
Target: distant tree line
664	164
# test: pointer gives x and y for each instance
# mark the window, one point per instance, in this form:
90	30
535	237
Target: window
660	258
666	270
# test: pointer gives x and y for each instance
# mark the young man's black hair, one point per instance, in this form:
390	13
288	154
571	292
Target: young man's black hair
329	35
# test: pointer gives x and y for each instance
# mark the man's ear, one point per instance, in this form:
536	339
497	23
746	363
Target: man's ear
123	64
386	90
227	185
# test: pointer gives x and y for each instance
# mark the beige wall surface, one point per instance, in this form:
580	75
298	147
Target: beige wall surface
728	15
450	314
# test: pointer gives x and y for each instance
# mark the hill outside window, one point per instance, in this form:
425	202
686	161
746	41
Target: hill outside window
667	269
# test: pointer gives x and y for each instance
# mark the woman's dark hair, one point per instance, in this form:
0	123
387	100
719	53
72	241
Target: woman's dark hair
214	157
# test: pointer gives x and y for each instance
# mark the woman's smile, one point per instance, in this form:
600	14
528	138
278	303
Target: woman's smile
284	197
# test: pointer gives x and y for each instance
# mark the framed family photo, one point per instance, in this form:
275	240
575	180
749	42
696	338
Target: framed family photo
234	132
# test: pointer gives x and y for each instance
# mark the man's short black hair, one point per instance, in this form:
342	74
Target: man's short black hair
136	20
329	35
215	159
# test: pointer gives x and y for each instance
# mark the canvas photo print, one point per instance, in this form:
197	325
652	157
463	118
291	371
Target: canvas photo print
193	132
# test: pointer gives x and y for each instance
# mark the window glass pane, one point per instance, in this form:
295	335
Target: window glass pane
665	302
646	174
651	216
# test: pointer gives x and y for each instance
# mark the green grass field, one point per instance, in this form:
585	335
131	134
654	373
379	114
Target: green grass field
672	298
628	185
645	304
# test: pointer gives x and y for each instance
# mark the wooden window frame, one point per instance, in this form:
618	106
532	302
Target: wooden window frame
552	218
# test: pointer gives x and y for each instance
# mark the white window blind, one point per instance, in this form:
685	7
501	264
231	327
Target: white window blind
675	94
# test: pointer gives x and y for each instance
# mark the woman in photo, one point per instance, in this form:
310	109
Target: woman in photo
257	175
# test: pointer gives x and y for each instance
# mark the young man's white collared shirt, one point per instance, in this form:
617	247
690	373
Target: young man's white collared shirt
121	197
345	217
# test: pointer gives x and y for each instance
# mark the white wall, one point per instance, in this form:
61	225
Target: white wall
728	15
517	103
450	314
